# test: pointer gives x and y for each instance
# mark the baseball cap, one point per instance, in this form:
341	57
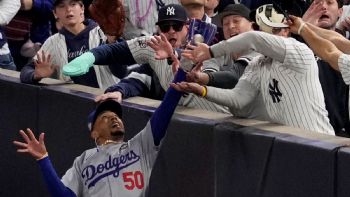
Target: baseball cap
172	12
192	2
56	2
268	18
108	105
232	9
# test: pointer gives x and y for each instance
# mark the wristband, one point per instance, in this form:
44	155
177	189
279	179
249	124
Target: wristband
204	92
42	157
301	28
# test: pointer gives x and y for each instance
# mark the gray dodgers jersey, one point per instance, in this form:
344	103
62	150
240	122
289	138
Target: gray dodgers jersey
115	169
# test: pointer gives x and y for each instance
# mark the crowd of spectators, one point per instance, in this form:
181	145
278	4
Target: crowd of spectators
39	38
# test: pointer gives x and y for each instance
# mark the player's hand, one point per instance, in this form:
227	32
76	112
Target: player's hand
43	66
161	46
197	53
314	12
31	145
196	75
188	87
344	24
294	23
117	96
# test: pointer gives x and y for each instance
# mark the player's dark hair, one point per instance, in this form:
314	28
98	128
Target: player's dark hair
340	3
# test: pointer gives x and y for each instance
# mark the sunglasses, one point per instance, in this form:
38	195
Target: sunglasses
165	27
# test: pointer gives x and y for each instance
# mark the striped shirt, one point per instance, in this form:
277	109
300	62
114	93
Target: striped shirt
287	79
256	110
344	67
8	9
143	54
56	46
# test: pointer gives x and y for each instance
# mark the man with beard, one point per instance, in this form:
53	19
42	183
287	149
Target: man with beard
114	167
325	14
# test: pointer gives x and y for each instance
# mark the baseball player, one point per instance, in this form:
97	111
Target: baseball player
286	76
327	44
114	167
171	21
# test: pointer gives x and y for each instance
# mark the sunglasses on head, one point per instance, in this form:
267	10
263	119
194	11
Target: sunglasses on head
165	27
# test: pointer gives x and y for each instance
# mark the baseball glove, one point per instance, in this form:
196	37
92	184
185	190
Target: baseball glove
110	15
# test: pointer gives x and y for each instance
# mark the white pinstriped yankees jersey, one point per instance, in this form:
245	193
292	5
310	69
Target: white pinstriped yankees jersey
257	109
116	169
287	79
56	46
344	67
143	54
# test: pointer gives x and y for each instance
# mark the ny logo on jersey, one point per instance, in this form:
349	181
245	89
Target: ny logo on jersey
170	11
274	91
142	42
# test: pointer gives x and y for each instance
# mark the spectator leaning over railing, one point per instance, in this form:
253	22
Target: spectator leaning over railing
286	76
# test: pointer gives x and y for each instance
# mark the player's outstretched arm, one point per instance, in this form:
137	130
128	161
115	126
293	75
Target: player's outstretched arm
162	116
337	39
320	46
37	149
109	54
253	40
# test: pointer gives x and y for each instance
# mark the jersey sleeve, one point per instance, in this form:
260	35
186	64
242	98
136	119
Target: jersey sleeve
55	186
237	98
27	73
288	51
229	78
151	136
344	67
8	9
162	116
51	46
213	64
72	177
115	54
143	54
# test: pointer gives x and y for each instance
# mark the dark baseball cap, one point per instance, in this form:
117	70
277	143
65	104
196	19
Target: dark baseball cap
232	9
108	105
56	2
172	12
